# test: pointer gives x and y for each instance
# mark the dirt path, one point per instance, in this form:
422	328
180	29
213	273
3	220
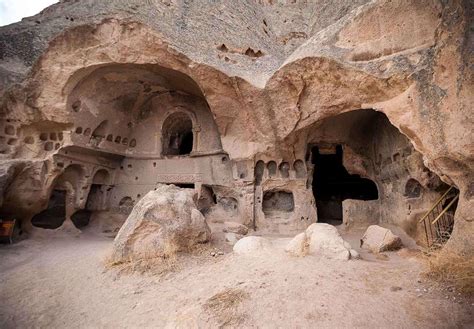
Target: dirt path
61	282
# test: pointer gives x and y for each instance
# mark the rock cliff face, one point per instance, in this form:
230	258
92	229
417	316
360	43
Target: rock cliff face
252	103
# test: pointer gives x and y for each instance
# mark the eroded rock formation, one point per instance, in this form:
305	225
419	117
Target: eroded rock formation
275	112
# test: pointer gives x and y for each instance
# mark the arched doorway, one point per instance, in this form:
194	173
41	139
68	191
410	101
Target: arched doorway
178	135
61	199
95	199
332	184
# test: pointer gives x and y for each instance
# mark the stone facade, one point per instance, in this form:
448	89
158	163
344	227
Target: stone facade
108	100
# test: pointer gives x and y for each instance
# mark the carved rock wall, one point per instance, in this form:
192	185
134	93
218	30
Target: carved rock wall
262	86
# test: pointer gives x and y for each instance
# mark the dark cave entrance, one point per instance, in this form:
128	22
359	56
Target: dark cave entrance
178	138
186	143
55	214
96	199
332	184
81	218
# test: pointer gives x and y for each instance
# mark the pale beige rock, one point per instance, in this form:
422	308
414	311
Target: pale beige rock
379	239
354	254
251	245
322	240
163	222
297	246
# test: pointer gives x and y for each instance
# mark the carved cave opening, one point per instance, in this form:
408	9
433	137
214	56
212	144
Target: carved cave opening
278	203
81	218
412	189
55	214
96	199
332	184
178	135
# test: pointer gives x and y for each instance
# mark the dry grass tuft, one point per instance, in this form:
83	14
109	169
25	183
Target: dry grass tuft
453	269
223	306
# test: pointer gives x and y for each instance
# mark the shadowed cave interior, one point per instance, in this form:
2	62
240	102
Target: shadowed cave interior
332	184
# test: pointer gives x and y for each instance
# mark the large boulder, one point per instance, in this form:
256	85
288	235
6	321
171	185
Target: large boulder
321	240
251	244
378	239
164	221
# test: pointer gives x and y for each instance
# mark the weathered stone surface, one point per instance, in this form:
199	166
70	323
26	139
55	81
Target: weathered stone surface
251	244
163	222
233	227
379	239
297	246
321	240
97	85
324	240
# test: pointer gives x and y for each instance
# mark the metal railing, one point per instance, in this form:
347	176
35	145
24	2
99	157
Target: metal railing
438	222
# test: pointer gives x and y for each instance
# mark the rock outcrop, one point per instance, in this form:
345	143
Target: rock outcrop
115	97
322	240
164	222
379	239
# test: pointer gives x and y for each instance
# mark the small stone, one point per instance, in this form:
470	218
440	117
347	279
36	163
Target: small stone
213	254
378	239
354	254
220	253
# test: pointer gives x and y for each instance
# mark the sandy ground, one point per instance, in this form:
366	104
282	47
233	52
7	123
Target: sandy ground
59	281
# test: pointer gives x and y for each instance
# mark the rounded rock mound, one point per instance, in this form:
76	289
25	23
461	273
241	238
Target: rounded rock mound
251	244
322	240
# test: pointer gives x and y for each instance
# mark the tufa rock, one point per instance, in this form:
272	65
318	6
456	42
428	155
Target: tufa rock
378	239
251	244
163	222
297	246
322	240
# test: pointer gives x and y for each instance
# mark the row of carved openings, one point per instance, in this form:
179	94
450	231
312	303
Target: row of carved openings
110	137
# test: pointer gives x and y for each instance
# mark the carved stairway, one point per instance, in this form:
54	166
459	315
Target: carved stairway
438	221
